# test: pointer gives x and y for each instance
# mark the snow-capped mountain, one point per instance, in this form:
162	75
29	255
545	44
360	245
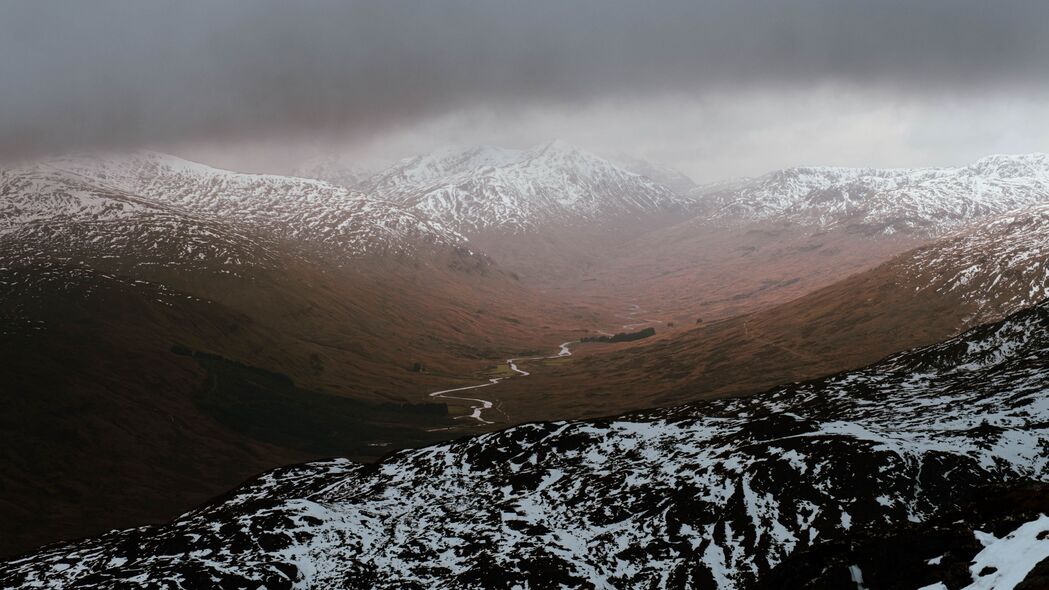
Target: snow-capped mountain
923	201
305	211
517	191
714	494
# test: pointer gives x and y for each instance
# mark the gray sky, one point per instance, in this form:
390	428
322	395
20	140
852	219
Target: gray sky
715	88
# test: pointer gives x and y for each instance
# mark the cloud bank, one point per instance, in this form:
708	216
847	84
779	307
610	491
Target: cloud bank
122	73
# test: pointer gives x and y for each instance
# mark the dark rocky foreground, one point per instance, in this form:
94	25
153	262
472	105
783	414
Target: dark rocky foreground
942	451
938	553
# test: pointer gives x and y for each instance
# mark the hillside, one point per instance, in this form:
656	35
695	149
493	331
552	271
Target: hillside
293	254
692	270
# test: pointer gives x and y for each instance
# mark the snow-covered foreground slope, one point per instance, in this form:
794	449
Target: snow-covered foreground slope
708	495
922	201
311	212
1005	562
518	191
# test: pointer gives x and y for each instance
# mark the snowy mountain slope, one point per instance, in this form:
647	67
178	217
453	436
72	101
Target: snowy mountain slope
425	169
922	201
513	191
708	495
55	215
302	257
312	212
997	267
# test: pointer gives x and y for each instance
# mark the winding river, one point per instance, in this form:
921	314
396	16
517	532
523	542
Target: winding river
480	405
484	404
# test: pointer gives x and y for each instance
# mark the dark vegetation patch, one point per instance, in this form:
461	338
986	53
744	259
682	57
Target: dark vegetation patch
269	407
622	336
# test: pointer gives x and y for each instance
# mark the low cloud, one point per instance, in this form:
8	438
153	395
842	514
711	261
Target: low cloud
108	73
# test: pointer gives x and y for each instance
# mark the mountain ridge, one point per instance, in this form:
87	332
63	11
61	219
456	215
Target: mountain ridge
304	210
924	201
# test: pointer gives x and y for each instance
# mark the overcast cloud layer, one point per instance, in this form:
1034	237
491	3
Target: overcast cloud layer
103	74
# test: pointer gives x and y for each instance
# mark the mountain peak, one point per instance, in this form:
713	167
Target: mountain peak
555	183
1012	164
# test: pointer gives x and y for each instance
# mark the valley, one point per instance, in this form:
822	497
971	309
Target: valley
158	308
545	295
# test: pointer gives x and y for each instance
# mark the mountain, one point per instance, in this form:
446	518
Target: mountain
411	174
920	201
270	247
545	213
511	191
717	494
169	329
47	213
